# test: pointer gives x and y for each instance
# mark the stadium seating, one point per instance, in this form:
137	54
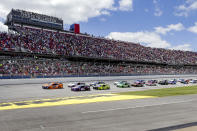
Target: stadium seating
48	42
26	67
34	40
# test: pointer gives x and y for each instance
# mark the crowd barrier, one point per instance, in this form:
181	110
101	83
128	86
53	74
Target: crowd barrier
95	75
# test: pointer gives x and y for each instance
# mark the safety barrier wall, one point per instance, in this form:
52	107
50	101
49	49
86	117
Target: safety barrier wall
87	75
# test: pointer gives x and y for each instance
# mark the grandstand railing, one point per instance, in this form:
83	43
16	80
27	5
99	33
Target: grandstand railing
76	58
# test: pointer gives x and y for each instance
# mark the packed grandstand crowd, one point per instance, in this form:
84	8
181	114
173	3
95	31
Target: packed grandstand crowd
41	41
24	66
48	42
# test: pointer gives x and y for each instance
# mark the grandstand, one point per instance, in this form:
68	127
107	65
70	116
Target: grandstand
37	46
22	17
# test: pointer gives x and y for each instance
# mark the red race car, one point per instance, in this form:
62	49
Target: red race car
151	83
137	84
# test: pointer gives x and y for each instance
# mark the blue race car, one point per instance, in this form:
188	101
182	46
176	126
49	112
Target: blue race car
172	82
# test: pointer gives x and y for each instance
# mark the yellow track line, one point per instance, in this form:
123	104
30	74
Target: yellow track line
68	101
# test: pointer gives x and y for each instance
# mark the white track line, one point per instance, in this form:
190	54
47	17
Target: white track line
126	108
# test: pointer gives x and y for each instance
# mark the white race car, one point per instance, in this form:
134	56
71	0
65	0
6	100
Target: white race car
70	85
193	81
118	82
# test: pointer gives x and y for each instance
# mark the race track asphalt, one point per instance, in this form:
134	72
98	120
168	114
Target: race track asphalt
126	115
28	89
129	115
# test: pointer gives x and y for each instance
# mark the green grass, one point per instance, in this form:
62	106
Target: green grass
164	92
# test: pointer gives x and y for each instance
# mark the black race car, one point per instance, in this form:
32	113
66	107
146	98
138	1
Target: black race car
81	88
164	82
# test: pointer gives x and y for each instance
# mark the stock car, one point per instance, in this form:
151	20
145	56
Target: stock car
101	87
151	83
81	88
184	81
70	85
155	81
53	85
193	81
172	82
138	84
141	81
96	83
180	80
123	84
164	82
117	82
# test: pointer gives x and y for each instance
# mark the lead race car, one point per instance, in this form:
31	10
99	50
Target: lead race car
53	85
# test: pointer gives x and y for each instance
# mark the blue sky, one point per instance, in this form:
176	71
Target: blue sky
143	19
156	23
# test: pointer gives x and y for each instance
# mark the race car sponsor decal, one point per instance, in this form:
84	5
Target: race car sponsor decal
68	101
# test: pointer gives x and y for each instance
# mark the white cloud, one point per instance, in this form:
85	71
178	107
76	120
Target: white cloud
158	11
184	47
186	8
151	39
193	28
3	11
102	19
126	5
3	28
71	11
164	30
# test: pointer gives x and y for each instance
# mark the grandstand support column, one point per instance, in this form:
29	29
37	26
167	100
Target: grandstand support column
109	70
94	66
78	66
120	72
100	71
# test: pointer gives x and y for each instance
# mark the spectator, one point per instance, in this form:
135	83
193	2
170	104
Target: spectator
34	40
24	66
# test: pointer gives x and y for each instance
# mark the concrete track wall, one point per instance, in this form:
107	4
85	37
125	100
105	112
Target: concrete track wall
102	78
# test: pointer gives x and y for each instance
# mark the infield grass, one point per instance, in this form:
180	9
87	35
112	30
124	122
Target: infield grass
164	92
